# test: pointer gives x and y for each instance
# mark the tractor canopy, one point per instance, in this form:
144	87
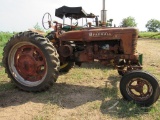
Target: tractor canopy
72	12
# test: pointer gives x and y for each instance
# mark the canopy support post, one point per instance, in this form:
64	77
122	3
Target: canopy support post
63	20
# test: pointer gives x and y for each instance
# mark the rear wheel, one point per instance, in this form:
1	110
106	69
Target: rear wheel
140	87
31	61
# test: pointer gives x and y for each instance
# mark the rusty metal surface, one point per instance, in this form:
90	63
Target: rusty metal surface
72	36
30	63
128	37
139	89
108	45
65	50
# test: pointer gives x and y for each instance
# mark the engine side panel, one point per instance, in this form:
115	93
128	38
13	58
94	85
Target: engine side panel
127	36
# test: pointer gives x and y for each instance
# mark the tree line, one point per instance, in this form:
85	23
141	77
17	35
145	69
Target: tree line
152	25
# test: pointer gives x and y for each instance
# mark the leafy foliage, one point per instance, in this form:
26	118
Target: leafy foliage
4	36
153	25
128	22
109	23
37	27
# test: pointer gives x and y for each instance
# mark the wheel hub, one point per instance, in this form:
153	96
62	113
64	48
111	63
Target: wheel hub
26	65
30	63
139	89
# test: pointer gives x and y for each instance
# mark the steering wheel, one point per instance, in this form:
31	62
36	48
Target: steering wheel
47	20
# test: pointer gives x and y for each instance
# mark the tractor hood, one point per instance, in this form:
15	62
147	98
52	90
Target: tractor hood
96	34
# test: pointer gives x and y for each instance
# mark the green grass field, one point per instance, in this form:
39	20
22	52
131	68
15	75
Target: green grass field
90	92
154	35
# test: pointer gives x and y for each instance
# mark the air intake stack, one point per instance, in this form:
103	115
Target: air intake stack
103	14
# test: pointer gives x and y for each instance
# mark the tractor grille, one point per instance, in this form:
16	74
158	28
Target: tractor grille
134	43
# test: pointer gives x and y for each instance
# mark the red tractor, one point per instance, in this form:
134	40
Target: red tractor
33	61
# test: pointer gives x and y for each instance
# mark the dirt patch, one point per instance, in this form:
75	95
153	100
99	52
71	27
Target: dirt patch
18	105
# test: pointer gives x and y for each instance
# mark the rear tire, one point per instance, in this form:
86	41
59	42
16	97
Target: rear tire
140	87
31	61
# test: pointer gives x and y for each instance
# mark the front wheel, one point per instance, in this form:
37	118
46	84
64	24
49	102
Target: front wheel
31	61
139	87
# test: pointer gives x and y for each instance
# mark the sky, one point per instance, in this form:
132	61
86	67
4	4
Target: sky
20	15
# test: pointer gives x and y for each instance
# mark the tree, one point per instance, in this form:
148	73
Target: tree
109	23
37	27
128	22
153	25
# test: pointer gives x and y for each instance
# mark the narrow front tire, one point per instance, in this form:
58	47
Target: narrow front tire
140	87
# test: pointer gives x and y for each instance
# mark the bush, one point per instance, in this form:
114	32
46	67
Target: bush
5	36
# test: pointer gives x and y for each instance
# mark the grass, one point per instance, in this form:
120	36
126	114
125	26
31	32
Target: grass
154	35
90	92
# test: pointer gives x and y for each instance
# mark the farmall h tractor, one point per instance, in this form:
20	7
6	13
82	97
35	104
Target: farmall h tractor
33	61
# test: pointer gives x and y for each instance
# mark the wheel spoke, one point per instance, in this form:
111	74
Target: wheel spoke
40	63
140	83
27	50
133	87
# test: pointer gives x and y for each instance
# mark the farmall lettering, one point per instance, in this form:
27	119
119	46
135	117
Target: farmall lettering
99	34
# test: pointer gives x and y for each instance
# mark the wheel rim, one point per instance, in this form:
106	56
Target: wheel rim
139	89
27	64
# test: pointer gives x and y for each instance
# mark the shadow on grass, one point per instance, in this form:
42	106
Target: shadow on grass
5	86
120	108
71	96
